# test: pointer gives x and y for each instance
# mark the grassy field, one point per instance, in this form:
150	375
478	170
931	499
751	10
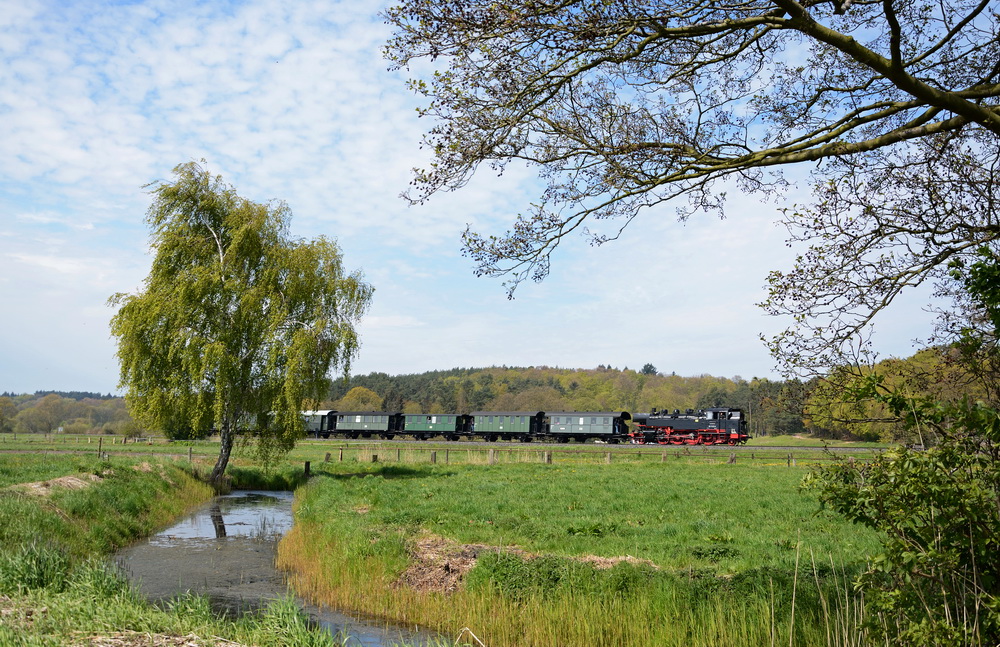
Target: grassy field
681	553
60	514
604	545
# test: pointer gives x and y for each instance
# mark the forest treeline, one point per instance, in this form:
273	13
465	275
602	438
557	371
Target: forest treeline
74	412
773	407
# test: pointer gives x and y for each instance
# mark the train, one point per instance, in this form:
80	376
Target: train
711	426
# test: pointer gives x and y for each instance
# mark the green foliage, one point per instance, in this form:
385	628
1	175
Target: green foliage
270	477
935	581
238	323
359	399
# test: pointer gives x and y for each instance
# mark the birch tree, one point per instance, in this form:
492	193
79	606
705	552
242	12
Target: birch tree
238	324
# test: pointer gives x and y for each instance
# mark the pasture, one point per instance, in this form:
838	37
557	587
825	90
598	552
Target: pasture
679	552
590	545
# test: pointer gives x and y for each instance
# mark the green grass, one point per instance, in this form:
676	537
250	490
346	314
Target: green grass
55	588
24	468
730	547
725	518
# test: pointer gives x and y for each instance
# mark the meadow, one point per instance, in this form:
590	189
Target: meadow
601	546
680	552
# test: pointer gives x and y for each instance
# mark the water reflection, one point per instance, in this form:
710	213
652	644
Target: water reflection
215	512
225	551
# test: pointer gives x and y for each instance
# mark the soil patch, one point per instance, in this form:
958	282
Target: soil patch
439	565
45	488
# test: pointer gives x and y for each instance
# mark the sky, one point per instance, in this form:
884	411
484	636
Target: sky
293	101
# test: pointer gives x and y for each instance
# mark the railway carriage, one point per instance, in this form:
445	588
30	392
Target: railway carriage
507	425
427	425
582	425
365	424
319	423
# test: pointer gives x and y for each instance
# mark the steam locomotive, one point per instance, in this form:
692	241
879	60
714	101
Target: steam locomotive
713	426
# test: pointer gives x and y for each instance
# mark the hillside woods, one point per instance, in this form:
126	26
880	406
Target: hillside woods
774	407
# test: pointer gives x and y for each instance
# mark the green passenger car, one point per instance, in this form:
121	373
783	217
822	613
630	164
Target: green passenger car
365	424
508	425
428	425
581	425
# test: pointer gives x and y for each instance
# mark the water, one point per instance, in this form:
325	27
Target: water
225	551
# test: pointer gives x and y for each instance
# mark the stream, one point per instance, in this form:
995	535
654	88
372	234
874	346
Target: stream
225	551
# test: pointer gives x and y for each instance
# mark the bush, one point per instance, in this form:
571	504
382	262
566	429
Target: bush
936	579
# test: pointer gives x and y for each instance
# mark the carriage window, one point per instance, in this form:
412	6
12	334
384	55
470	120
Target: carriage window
581	421
522	420
593	421
607	421
357	418
491	419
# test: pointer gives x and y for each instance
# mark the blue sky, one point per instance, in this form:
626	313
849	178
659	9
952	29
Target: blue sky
292	101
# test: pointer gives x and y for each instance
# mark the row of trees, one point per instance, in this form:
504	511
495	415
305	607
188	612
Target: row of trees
773	406
44	413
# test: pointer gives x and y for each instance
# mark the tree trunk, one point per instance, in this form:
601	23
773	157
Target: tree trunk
225	449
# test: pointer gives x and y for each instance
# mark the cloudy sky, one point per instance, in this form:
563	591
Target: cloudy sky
292	101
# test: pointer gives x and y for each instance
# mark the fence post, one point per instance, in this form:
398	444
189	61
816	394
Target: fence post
190	454
434	458
374	458
341	455
327	458
397	454
307	468
607	457
732	458
446	456
100	443
548	458
663	457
